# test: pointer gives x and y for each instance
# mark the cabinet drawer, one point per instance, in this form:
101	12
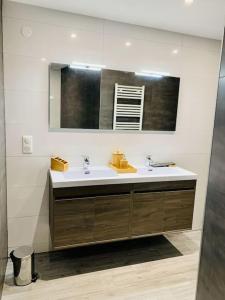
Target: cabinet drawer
92	191
85	220
112	215
73	221
164	186
178	209
147	216
156	212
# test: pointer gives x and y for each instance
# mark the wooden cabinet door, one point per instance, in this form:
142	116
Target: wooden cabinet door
73	221
147	215
112	215
178	209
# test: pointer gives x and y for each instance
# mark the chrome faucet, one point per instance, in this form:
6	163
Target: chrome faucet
149	162
86	164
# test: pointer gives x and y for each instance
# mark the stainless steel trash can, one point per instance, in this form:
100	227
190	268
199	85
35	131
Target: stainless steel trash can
23	265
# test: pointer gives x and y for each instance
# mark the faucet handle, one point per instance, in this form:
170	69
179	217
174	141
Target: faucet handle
86	159
149	159
148	162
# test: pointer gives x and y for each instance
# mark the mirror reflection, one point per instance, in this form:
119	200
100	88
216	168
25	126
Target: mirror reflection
94	97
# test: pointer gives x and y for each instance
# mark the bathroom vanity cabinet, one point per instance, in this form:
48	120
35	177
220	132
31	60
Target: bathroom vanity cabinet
100	213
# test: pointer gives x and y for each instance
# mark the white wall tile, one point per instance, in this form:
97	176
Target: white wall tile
28	231
42	246
54	17
141	55
25	73
98	41
128	31
26	107
24	171
198	62
25	201
202	44
17	107
87	45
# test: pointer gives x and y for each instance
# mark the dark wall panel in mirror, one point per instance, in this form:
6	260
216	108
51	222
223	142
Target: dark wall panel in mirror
160	101
160	110
80	97
96	98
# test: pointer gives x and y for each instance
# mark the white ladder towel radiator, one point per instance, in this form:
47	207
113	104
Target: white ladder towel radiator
131	110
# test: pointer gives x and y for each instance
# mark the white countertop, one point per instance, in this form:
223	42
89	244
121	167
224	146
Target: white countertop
105	175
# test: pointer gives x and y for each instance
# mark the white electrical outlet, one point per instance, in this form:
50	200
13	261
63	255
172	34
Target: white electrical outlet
27	144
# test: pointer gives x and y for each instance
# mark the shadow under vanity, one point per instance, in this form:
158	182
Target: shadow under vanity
126	206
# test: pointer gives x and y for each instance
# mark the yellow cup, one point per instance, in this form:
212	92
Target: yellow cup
123	164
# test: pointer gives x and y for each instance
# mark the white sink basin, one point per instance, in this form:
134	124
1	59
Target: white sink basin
94	173
145	171
159	171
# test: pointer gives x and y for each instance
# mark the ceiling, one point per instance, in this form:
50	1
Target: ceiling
204	18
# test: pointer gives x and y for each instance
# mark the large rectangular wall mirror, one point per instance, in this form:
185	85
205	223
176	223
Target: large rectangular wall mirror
94	97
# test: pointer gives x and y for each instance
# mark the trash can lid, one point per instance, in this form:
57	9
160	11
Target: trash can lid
23	251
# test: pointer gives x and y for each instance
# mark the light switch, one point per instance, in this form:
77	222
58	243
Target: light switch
27	142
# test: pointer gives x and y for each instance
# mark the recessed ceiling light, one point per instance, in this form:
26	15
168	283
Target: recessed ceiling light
43	59
73	35
175	51
128	44
189	2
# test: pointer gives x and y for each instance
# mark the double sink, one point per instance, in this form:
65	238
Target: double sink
106	172
105	175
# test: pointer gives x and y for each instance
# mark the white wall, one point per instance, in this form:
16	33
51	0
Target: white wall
98	41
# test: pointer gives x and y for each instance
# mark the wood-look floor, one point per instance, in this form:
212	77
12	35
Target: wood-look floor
170	279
